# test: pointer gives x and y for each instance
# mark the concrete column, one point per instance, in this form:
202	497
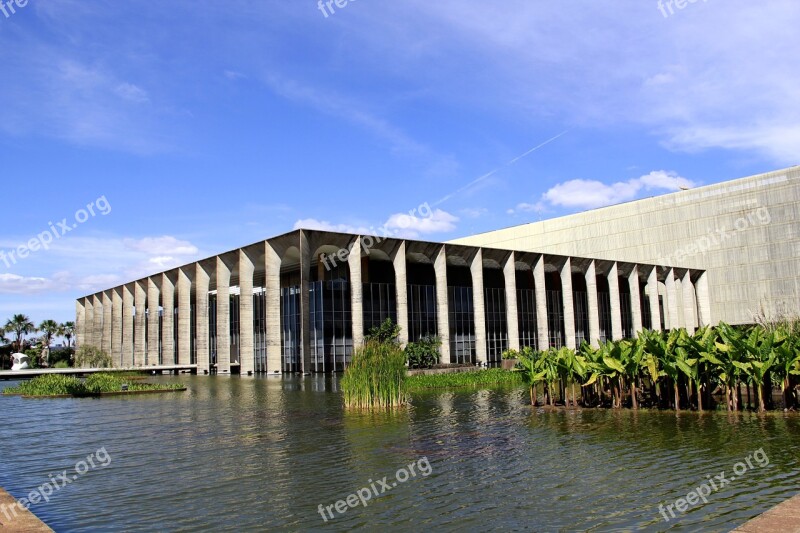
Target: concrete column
356	293
105	343
672	301
202	279
97	334
80	322
636	301
89	321
689	320
401	286
512	316
272	286
305	303
703	300
442	317
223	316
247	356
184	317
594	306
541	304
127	325
616	307
168	356
153	326
652	295
569	304
116	326
479	307
139	340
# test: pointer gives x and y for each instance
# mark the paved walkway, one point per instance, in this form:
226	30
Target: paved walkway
22	521
31	373
785	518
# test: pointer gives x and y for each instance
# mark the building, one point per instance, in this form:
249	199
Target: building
301	301
744	233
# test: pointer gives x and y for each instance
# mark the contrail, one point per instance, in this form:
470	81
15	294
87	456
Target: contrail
498	169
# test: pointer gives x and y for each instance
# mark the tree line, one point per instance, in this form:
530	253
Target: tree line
37	349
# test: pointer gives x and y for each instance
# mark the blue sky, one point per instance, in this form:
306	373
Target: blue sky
206	126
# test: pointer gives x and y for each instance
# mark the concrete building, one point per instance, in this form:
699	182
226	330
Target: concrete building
744	233
301	301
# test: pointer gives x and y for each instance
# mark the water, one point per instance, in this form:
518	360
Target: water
262	454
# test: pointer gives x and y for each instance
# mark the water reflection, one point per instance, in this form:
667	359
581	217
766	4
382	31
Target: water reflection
262	453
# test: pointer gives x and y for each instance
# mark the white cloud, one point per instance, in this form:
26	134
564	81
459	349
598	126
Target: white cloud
163	245
128	91
15	284
413	226
474	212
580	193
324	225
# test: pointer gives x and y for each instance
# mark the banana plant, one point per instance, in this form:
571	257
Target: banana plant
574	369
760	356
529	368
787	368
729	355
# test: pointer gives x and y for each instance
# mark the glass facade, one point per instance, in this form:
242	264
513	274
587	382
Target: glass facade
259	330
604	312
380	303
290	329
526	314
580	304
422	312
331	325
212	329
234	329
496	324
462	325
555	318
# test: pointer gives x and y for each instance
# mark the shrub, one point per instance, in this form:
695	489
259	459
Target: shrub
423	353
89	356
387	332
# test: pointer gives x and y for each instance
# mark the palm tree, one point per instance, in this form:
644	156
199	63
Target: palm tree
50	328
67	330
20	325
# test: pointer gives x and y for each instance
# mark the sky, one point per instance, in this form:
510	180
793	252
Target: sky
145	135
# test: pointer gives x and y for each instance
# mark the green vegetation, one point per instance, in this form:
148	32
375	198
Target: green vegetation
671	369
424	353
37	349
376	377
93	385
89	356
492	376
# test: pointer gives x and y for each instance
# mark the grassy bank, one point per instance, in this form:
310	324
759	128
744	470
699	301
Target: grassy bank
93	385
492	376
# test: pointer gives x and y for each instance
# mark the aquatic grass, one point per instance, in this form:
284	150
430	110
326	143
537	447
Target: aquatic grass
478	378
376	377
94	384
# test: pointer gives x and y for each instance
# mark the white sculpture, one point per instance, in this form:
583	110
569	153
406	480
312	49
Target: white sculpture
20	361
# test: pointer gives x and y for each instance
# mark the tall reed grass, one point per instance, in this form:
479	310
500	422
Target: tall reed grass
376	378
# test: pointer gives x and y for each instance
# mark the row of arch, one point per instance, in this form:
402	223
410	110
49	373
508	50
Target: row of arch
301	302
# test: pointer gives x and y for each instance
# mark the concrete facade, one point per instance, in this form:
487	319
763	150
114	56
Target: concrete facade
311	297
745	234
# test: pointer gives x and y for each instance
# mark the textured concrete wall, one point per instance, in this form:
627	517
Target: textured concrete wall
745	233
